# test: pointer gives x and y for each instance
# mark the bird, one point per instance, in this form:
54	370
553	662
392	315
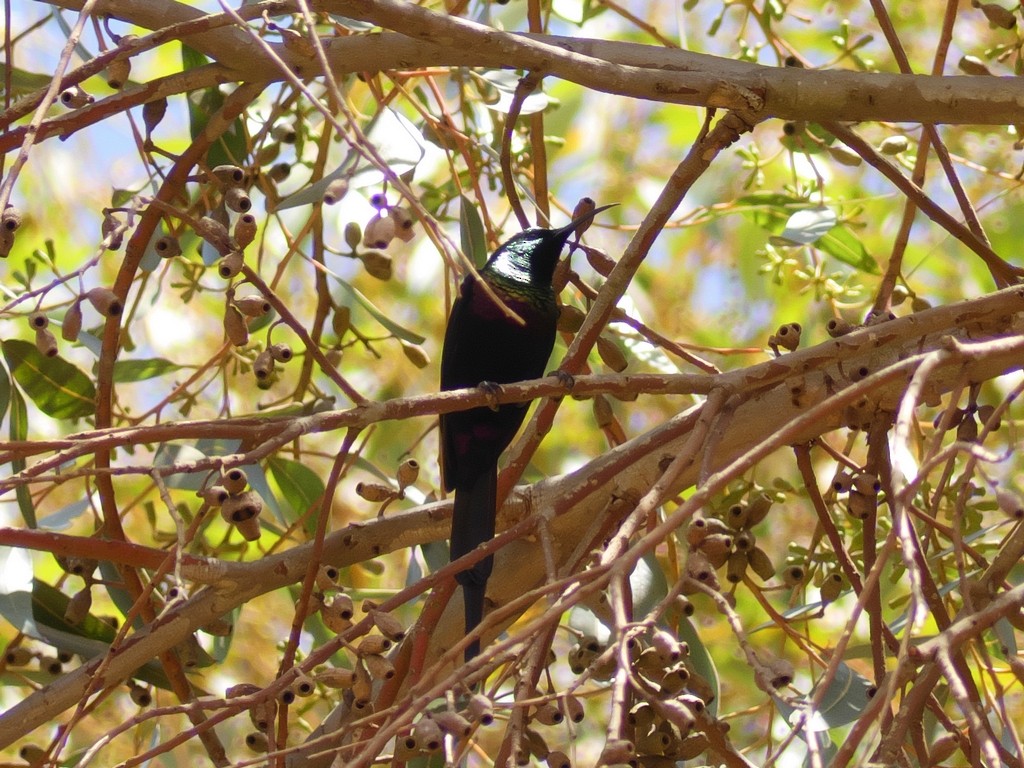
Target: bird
484	346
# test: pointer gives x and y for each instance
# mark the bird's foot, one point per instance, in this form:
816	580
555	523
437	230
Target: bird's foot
566	379
492	390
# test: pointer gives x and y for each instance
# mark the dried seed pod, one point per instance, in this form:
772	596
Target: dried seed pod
893	145
760	563
78	566
379	201
843	155
716	548
453	723
407	473
231	265
336	677
18	656
832	587
228	175
335	191
242	511
341	320
237	200
556	759
428	734
253	305
375	492
234	480
701	527
837	327
335	617
736	567
72	324
257	742
50	665
570	318
245	230
10	219
78	606
303	685
327	578
32	754
481	709
379	667
584	207
377	264
140	694
967	429
279	172
112	232
75	97
782	673
281	353
284	132
215	233
167	247
985	414
118	72
152	113
379	231
667	646
343	604
1010	503
794	575
46	342
972	65
403	223
263	366
373	644
535	744
548	714
788	336
362	688
415	354
674	680
572	708
617	752
105	301
610	354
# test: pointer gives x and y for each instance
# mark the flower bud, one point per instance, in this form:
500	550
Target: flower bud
353	234
234	326
78	606
72	324
843	155
415	354
341	320
245	230
893	145
601	263
997	15
231	265
610	354
603	414
972	65
760	563
570	318
105	301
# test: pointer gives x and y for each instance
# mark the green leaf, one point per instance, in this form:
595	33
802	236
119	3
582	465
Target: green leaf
138	370
843	245
471	228
300	486
5	392
19	432
202	105
58	388
808	226
402	333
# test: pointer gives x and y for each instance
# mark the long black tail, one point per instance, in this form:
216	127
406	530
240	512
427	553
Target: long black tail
472	525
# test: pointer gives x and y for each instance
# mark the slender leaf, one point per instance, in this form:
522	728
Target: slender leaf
138	370
18	427
58	388
843	245
202	105
5	392
402	333
300	485
471	228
